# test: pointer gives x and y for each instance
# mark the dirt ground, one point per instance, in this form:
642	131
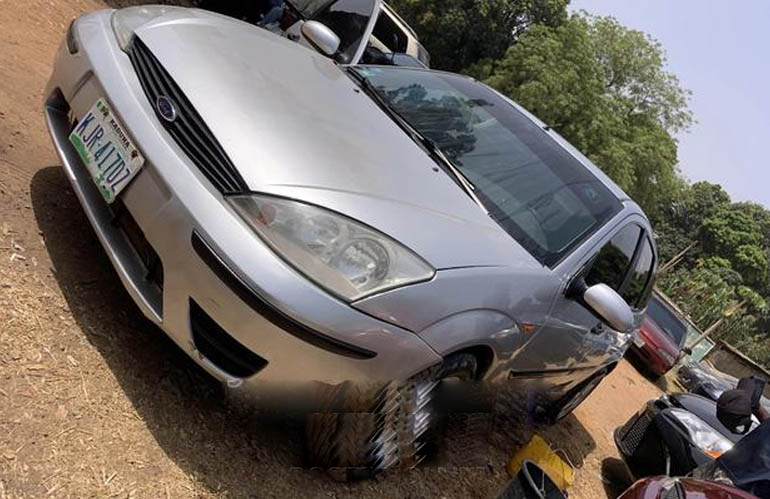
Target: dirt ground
95	402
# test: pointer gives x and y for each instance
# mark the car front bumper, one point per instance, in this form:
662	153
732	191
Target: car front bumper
215	270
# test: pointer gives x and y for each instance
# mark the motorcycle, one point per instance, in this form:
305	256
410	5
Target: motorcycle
674	435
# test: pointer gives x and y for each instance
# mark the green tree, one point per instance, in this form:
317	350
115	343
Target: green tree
677	223
605	89
733	234
727	230
459	33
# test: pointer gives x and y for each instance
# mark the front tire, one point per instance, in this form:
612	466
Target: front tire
359	431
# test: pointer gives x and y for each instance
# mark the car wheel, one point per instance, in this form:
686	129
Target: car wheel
359	431
569	402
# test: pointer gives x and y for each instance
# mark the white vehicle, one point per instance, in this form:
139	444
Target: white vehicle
391	40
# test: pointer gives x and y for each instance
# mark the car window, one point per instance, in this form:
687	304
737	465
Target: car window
307	8
348	19
637	291
612	264
666	320
532	187
389	34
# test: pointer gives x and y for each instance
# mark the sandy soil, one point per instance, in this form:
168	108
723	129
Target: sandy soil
95	402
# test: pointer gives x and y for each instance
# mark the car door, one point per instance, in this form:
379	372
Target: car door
573	337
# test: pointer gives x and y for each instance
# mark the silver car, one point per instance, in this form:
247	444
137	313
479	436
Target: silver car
290	221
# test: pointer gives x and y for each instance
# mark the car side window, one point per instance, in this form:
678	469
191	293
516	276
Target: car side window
612	264
637	291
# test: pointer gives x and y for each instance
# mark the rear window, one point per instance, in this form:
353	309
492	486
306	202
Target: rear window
540	194
672	325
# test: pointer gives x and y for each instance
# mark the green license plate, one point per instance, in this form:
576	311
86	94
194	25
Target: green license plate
103	145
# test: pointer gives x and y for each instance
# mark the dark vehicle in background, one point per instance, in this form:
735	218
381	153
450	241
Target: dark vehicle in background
673	435
702	379
663	487
661	337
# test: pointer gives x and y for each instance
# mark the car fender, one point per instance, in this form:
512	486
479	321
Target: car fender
474	328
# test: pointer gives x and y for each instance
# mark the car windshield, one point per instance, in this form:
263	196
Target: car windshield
537	191
672	325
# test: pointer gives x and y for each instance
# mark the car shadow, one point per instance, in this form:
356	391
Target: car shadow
662	382
231	447
181	404
616	477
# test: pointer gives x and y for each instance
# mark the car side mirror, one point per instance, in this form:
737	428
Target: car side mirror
321	37
610	306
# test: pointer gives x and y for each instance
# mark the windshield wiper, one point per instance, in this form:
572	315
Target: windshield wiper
434	151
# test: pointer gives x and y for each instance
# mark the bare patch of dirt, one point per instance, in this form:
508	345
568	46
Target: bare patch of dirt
95	402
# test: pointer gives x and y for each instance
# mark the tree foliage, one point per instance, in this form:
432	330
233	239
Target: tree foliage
459	33
603	87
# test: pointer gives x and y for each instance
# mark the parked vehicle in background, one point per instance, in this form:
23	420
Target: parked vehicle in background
673	435
703	379
661	337
664	487
391	41
361	232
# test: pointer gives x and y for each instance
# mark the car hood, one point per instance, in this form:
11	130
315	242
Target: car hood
296	125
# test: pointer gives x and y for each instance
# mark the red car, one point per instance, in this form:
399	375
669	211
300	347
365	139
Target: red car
661	337
682	488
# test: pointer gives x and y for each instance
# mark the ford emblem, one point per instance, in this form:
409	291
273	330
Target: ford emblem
166	108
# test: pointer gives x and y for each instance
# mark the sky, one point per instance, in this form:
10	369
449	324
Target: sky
721	51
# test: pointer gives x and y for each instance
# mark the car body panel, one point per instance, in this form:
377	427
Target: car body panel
297	126
702	379
654	339
662	486
154	200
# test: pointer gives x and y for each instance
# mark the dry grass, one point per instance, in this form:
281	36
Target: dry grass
94	402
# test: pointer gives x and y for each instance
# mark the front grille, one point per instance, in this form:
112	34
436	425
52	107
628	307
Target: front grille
220	348
187	128
631	434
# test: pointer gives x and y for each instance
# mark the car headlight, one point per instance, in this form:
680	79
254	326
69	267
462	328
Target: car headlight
702	435
341	255
126	21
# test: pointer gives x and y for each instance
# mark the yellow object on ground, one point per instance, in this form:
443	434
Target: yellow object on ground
539	452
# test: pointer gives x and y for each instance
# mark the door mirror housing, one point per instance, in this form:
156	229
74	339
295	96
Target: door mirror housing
610	306
321	37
